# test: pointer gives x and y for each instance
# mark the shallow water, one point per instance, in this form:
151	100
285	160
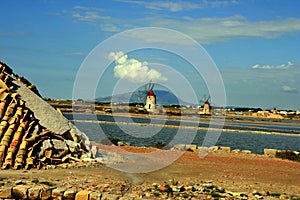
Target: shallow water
136	131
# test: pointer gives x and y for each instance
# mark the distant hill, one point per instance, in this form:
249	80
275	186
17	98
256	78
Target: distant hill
163	97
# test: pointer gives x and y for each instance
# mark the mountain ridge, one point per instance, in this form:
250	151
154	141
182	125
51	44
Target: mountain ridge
163	97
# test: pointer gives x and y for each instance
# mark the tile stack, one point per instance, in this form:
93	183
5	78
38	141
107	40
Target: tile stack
32	133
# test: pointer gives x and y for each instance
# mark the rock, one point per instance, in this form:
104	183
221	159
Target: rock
126	198
94	151
18	182
95	196
203	150
83	195
34	192
191	147
246	152
257	196
20	192
270	153
120	143
162	187
69	194
148	194
45	193
60	147
265	193
214	148
179	147
6	193
73	146
208	185
236	151
225	149
107	196
283	196
127	144
57	194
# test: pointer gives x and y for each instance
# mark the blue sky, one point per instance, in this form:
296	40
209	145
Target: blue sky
254	44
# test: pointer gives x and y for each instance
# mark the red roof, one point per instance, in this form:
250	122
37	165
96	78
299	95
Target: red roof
151	93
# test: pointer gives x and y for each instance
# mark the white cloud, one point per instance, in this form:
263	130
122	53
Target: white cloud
289	89
165	5
210	30
87	14
204	30
177	6
133	70
282	66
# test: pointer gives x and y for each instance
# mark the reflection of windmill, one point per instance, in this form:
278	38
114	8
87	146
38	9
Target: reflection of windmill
150	97
206	106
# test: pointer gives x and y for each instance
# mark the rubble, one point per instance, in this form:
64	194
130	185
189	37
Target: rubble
32	133
115	190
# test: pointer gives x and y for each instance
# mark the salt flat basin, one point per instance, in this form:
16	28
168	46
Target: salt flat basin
254	135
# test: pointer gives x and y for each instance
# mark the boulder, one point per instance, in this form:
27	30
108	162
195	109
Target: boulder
270	153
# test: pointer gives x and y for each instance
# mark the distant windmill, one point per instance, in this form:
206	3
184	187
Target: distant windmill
206	106
274	111
150	97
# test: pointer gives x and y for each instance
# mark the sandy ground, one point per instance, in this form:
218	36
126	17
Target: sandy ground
240	173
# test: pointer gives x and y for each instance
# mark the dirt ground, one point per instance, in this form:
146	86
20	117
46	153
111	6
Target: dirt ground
238	173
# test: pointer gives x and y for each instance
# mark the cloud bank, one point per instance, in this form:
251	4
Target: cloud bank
177	6
289	89
206	30
282	66
133	70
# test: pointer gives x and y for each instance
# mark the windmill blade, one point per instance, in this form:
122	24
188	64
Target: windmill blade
152	86
203	100
208	98
142	94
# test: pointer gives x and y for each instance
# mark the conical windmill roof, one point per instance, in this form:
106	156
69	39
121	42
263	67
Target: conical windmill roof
32	133
150	93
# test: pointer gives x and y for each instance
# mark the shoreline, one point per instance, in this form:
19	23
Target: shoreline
197	120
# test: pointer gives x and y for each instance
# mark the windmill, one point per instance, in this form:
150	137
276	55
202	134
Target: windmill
150	97
206	106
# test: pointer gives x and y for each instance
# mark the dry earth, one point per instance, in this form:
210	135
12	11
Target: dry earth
240	173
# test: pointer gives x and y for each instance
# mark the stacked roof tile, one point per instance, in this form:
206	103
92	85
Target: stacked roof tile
32	133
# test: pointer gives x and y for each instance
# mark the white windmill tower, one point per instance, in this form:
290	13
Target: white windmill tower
150	103
206	107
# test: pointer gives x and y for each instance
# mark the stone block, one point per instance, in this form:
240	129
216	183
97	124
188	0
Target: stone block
20	192
203	150
191	147
270	152
246	152
6	193
180	147
214	148
34	192
70	194
83	195
236	151
45	193
57	194
225	149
